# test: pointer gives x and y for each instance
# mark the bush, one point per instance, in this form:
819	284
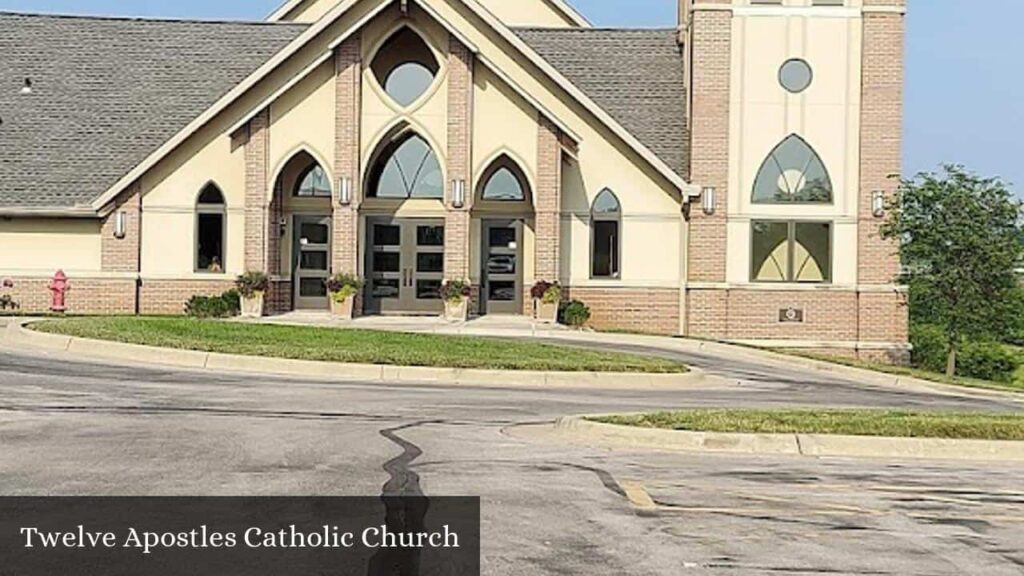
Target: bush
987	361
224	306
930	349
575	314
251	283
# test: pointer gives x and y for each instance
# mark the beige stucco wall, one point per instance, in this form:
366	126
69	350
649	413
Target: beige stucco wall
41	247
826	115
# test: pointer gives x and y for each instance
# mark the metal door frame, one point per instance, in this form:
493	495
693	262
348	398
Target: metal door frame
298	273
487	306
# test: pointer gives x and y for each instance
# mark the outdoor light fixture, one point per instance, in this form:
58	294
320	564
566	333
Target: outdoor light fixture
120	225
878	203
458	193
707	200
27	88
345	191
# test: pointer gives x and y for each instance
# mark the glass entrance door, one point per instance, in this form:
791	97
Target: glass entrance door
311	261
405	264
502	289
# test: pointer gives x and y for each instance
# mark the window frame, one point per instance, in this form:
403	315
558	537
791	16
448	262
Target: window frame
305	173
208	209
388	149
771	158
791	252
436	66
616	218
504	161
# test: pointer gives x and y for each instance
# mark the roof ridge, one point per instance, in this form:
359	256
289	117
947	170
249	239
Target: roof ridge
595	29
154	19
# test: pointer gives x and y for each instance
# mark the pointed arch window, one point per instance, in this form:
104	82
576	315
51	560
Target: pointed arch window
405	67
504	181
606	237
313	183
211	230
407	168
793	173
791	252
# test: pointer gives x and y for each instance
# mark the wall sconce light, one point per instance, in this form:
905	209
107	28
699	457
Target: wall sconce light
707	200
345	191
878	203
120	225
458	193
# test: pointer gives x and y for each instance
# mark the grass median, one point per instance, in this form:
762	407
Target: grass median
840	422
354	346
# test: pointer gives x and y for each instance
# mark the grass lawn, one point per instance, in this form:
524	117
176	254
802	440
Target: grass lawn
841	422
1017	385
356	346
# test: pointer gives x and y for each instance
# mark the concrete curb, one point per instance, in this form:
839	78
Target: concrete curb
17	333
810	445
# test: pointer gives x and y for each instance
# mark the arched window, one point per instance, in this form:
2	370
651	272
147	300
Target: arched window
606	238
405	67
407	168
783	251
793	172
211	228
504	181
313	183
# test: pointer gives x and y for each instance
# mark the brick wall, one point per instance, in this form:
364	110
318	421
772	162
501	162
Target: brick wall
87	295
648	310
460	158
168	297
122	254
348	98
257	149
548	200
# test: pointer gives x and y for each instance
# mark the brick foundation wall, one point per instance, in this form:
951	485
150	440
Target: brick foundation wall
122	254
168	297
648	310
86	296
279	297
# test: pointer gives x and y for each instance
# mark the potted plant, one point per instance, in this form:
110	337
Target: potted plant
252	287
547	297
456	295
343	289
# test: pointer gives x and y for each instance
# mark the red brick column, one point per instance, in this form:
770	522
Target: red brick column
348	97
548	200
460	158
122	254
711	51
257	149
883	317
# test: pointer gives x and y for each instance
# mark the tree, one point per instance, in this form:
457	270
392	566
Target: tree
959	238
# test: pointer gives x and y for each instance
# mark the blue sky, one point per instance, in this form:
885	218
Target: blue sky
964	75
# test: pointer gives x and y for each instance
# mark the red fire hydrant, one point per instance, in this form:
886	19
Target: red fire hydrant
59	287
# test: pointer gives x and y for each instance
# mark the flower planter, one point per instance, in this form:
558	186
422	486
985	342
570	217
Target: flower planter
253	307
456	310
342	309
546	312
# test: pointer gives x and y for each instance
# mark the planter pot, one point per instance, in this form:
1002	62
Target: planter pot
456	311
342	309
253	307
545	312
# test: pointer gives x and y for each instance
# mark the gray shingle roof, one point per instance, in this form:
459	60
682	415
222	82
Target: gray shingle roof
637	76
107	92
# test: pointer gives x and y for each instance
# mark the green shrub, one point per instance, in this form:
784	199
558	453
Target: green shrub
575	314
930	349
252	283
987	361
224	306
343	286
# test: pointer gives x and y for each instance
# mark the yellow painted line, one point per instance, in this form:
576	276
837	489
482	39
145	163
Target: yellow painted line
638	496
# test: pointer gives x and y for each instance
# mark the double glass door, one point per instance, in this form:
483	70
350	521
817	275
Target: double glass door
311	261
405	264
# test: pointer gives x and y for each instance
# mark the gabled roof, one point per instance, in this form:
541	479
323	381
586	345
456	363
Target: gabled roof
637	76
107	92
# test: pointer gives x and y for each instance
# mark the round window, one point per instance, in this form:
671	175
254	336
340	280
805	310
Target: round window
796	75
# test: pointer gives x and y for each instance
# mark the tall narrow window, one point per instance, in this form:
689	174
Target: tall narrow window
791	252
211	226
606	238
793	173
405	67
504	181
313	183
407	168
